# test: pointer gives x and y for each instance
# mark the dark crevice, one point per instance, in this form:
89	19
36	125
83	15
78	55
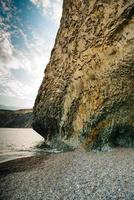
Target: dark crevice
122	135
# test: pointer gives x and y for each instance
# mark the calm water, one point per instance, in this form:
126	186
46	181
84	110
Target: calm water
17	143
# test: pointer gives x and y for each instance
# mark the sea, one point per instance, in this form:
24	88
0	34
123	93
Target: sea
17	143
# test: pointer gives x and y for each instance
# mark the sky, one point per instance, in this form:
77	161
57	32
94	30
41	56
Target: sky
27	34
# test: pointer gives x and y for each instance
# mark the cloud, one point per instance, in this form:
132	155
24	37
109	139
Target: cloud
32	61
22	69
44	3
5	45
51	8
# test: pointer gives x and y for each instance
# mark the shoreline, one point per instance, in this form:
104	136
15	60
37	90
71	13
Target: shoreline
20	157
21	164
70	175
33	159
35	153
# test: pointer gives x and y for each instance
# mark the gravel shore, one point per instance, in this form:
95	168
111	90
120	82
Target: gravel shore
75	175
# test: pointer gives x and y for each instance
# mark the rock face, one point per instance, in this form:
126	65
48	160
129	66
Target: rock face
87	95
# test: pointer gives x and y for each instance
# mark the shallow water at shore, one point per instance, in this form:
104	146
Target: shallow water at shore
18	143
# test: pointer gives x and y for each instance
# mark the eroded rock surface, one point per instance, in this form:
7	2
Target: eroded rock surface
87	95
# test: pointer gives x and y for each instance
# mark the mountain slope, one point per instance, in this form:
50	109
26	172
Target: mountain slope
16	119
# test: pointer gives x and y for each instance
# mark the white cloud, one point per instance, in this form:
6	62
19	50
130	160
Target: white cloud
30	61
44	3
51	8
5	45
9	86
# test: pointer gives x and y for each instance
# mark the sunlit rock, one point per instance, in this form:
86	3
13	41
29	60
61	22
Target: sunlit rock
87	95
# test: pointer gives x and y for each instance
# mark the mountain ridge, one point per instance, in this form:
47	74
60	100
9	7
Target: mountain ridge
21	118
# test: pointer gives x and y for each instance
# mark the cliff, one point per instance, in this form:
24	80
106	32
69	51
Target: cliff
16	119
87	94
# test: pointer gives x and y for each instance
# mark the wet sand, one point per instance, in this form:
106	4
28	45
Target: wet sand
72	175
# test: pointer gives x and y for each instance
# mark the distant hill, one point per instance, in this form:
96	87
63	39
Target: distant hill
16	119
4	107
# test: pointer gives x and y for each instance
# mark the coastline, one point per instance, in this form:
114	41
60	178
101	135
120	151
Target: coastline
18	143
21	164
70	175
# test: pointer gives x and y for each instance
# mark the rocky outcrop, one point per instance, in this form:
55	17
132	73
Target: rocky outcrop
87	95
16	119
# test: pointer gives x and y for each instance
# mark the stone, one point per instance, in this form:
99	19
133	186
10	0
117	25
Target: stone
86	98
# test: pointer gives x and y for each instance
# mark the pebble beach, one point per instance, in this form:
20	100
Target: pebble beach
74	175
